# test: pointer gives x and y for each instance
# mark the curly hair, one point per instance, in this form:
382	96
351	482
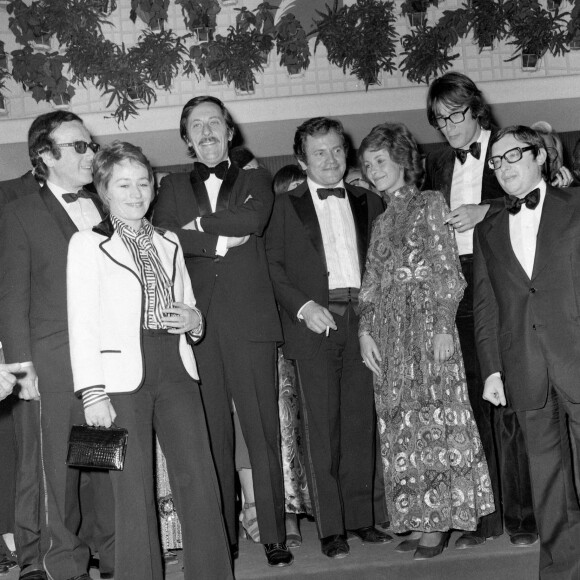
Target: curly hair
401	146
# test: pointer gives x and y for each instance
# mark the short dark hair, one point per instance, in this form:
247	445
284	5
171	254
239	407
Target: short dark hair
454	90
111	155
241	156
191	104
401	146
316	126
285	176
40	139
525	135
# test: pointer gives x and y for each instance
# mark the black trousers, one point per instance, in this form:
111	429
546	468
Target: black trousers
554	495
232	368
168	402
8	463
339	430
501	435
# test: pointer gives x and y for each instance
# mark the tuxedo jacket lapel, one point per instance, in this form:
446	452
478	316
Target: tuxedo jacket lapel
443	173
62	219
223	200
556	217
304	206
500	243
360	213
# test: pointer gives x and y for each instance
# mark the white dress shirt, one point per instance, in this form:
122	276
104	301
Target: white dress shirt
524	227
83	212
466	188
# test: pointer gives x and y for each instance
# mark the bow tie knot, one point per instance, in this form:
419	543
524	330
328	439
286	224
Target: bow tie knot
513	204
204	171
70	197
474	149
326	192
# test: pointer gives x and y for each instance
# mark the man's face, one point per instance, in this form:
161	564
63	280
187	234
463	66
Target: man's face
325	158
208	134
521	177
73	170
460	135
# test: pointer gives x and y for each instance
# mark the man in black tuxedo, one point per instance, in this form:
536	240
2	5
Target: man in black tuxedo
528	333
34	232
457	108
219	213
316	242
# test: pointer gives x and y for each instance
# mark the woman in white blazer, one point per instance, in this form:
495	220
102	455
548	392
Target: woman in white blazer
131	315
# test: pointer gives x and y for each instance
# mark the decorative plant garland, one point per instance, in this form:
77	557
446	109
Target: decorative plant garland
361	38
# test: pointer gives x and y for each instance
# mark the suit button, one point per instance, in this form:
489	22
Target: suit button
532	290
534	326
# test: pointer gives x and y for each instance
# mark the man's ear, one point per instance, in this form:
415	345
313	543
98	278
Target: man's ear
541	156
48	158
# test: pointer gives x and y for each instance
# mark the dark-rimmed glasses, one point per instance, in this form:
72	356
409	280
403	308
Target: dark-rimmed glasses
81	146
511	156
455	118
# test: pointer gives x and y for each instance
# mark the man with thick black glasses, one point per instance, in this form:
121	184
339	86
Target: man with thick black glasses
457	108
528	332
34	233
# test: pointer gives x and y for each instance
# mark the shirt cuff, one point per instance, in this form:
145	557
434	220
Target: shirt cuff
94	395
299	315
28	363
221	248
198	224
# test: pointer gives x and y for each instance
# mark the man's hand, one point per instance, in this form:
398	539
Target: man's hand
466	217
493	391
233	242
28	384
317	318
7	379
180	318
370	353
101	414
563	177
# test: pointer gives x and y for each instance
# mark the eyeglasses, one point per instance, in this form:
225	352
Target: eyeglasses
455	118
81	146
511	156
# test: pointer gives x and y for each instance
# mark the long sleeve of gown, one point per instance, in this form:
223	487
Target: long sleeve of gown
448	281
369	295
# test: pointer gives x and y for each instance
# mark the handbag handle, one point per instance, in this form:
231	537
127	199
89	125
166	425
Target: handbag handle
113	426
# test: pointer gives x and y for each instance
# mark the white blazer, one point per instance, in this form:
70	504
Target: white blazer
105	308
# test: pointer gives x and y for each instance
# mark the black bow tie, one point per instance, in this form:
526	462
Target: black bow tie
204	171
513	204
323	193
474	149
70	197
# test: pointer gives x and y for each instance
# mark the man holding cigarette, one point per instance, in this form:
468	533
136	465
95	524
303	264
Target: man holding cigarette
316	243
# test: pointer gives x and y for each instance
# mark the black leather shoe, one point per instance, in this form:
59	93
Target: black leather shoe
469	540
335	546
371	535
34	575
407	546
107	576
523	539
278	554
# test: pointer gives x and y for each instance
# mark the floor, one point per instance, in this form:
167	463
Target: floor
495	560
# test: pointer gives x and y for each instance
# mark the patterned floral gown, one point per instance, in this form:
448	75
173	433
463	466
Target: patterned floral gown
435	473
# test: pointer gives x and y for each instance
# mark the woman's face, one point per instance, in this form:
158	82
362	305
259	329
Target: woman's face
385	174
129	192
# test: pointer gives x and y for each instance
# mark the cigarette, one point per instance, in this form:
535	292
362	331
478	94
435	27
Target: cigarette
327	330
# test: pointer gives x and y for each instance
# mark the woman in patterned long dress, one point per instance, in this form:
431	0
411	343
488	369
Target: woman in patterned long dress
435	473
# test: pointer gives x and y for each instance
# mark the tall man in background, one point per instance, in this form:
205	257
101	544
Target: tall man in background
457	108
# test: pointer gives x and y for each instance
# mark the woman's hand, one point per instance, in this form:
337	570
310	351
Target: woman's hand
181	318
101	414
370	353
442	347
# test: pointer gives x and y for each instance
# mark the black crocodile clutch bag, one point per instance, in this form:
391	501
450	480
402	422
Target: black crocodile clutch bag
97	447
